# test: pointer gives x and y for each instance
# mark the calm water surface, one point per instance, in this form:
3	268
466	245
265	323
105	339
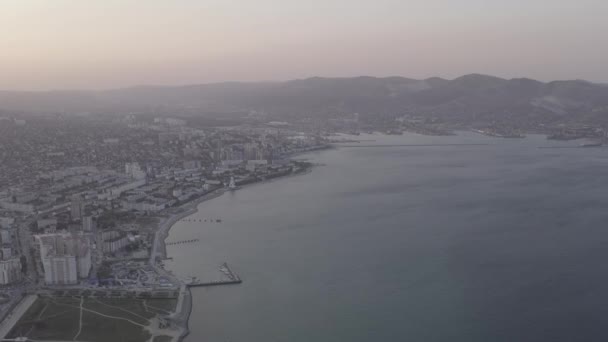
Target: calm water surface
503	242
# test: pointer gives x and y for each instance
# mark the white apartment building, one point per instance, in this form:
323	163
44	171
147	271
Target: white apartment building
65	257
10	271
60	270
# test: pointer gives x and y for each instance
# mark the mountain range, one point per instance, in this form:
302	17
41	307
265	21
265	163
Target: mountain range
467	99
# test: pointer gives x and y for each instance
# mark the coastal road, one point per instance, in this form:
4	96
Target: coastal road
15	315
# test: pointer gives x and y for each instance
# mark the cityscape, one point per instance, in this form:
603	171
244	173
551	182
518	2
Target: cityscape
86	205
303	171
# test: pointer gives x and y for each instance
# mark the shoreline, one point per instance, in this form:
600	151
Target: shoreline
163	232
183	309
182	316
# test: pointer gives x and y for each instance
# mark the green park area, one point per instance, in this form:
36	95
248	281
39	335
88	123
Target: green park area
94	319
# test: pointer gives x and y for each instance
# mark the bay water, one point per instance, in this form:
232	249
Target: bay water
501	241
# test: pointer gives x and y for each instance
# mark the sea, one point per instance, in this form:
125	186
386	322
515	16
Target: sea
409	238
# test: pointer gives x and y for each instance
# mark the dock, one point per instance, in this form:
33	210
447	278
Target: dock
233	278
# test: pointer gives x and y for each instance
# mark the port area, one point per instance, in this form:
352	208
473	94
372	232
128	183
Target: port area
228	277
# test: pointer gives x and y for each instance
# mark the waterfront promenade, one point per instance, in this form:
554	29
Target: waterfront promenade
158	246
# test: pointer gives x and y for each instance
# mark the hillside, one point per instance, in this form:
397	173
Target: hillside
467	99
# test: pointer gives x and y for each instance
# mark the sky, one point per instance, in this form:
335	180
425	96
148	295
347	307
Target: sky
97	44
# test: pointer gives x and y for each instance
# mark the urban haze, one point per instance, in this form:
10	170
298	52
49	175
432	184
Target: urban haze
303	171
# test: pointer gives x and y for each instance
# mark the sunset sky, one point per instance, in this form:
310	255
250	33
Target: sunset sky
59	44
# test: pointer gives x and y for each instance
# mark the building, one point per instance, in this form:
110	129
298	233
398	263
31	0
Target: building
177	192
253	165
192	164
135	171
116	191
65	257
114	240
6	236
10	271
24	197
60	270
77	207
252	152
18	207
88	224
7	252
48	225
6	222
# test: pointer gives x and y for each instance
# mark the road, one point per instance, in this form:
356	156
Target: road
13	317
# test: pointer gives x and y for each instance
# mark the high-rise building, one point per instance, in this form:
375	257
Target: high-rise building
5	235
88	224
60	270
113	240
7	252
77	207
65	257
251	152
10	271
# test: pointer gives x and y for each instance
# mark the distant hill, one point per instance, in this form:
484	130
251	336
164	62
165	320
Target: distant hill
468	99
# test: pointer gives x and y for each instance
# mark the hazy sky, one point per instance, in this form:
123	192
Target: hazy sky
50	44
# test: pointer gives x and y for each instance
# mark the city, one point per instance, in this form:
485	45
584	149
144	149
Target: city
303	171
85	205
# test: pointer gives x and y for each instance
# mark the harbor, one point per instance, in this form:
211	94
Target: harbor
231	278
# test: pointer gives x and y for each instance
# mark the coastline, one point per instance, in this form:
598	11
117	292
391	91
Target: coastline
183	309
163	232
182	316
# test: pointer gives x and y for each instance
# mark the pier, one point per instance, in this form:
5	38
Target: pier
214	283
233	278
417	145
202	220
181	242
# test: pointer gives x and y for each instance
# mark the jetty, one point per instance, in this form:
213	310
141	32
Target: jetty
418	145
181	242
233	278
210	220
